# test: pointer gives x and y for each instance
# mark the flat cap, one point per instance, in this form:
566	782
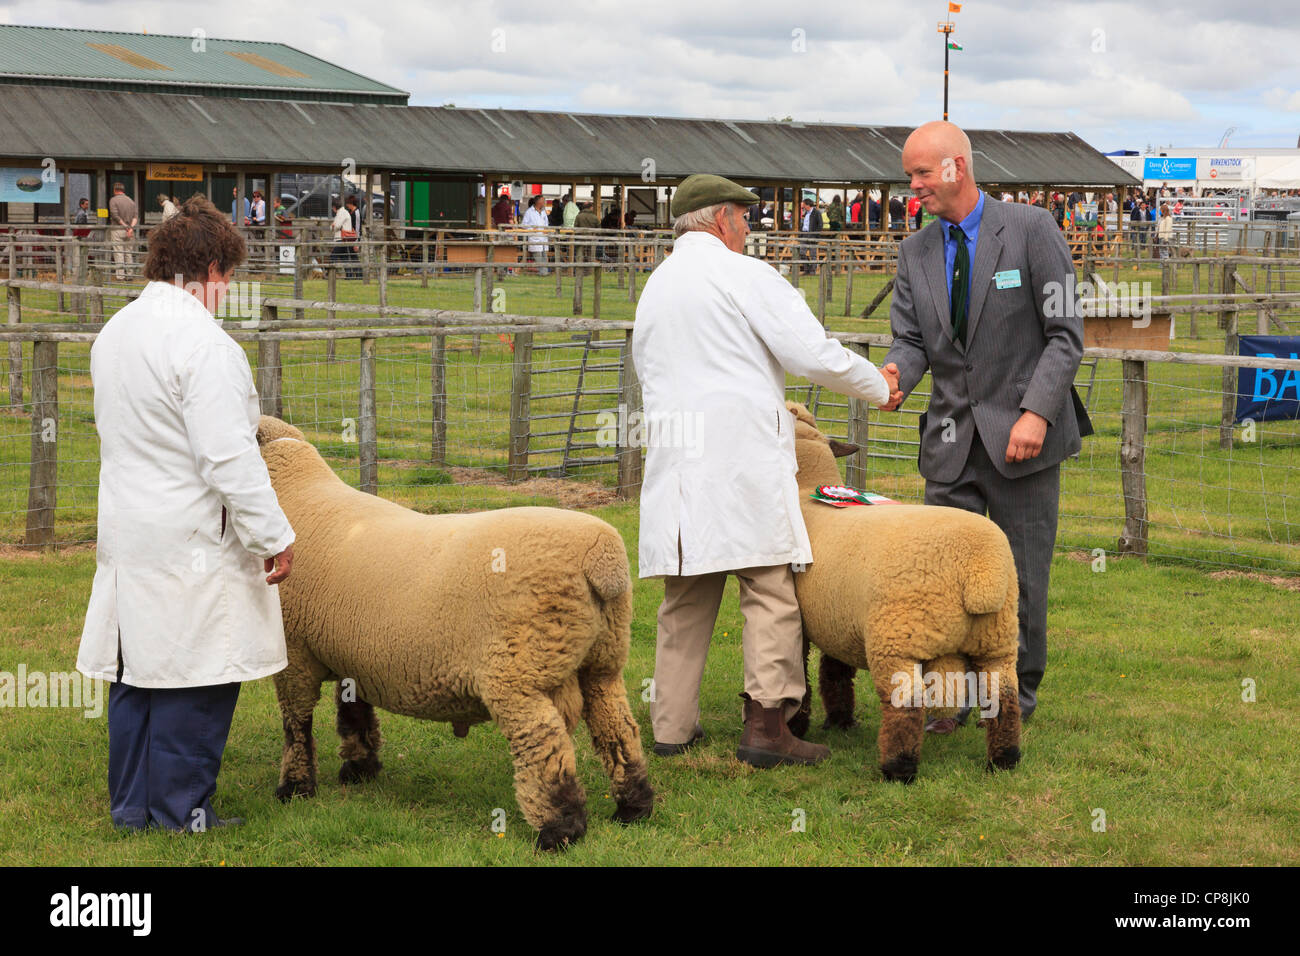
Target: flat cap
705	189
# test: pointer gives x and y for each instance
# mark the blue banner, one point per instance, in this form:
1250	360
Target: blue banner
1268	394
1164	167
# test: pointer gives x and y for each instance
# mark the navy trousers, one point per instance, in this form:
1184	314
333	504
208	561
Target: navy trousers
164	752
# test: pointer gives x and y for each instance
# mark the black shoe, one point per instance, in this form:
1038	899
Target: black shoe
672	750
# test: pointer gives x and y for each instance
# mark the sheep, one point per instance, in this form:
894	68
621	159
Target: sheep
521	616
903	591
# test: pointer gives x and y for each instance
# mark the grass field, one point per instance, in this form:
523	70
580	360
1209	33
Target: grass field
1141	717
1142	714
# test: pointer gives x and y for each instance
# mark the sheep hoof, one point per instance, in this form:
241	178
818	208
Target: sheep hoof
294	788
357	771
798	724
636	805
901	769
1003	759
839	722
561	834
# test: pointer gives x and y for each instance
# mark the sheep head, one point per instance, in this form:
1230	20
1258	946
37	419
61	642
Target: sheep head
269	429
815	451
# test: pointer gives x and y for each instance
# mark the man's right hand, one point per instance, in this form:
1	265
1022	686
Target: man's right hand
282	562
890	373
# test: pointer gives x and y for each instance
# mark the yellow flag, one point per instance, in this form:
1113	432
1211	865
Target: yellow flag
954	8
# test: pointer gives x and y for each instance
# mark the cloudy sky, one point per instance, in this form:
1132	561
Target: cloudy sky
1121	75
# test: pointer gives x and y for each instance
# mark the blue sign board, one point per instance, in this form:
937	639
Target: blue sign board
1268	394
1165	167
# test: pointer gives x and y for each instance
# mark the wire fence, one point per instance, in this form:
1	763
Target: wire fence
460	409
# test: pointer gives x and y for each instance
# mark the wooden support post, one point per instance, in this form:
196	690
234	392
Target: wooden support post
58	272
438	388
381	271
520	389
368	433
856	465
489	287
629	405
424	257
1196	291
15	349
848	281
268	369
631	277
823	290
80	255
597	273
577	290
478	288
96	310
298	267
42	488
331	295
1132	459
1228	322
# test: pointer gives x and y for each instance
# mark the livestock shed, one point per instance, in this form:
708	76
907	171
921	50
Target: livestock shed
151	112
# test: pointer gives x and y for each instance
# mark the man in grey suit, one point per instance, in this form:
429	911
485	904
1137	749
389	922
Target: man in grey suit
974	302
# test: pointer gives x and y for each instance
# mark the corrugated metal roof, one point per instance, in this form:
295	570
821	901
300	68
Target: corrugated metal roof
100	58
85	125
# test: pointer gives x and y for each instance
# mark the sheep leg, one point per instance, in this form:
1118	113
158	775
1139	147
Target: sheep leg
1003	729
798	724
617	739
298	692
902	726
835	681
546	781
359	737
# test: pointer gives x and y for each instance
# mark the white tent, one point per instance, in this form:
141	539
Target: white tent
1277	172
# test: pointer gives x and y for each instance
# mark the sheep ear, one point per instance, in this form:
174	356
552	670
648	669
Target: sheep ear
842	449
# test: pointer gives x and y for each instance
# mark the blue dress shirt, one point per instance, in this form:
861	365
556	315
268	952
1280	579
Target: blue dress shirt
971	227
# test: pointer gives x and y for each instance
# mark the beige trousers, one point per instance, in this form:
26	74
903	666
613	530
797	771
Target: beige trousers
772	640
121	252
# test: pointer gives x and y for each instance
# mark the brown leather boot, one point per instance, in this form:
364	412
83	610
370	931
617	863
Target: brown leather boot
767	741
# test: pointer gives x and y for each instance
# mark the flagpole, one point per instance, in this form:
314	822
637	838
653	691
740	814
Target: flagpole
945	77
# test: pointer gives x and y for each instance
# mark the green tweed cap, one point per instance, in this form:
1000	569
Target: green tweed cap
705	189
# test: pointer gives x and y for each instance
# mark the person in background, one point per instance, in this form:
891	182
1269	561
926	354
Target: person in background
538	245
1164	231
810	221
556	217
352	206
503	211
835	214
82	218
168	206
571	211
257	209
234	208
282	221
123	217
182	608
344	237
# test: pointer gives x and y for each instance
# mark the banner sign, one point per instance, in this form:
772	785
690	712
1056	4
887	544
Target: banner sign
1268	394
29	185
175	172
1234	168
1164	167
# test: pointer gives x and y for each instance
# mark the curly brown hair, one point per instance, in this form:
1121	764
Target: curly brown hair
188	242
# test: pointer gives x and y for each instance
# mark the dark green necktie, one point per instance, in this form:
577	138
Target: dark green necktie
960	285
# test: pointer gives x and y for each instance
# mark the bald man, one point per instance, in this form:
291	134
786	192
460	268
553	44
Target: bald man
974	303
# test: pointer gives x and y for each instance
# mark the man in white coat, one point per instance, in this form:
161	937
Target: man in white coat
716	333
188	525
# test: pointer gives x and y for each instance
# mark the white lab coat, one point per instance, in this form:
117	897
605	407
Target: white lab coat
716	332
537	241
177	414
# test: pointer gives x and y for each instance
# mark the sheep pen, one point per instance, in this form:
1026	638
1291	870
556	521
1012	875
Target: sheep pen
521	616
939	596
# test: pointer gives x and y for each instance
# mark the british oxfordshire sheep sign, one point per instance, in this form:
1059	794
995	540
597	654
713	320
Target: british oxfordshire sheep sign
1267	394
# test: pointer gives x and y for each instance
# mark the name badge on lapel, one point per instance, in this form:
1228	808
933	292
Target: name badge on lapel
1007	280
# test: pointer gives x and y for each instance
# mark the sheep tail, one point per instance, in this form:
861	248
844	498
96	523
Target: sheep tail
605	566
986	577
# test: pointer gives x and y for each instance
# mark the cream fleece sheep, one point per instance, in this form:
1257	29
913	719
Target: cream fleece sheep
894	588
521	615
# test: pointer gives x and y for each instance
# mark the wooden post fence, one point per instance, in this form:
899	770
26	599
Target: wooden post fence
438	389
368	426
629	405
520	387
1132	458
42	490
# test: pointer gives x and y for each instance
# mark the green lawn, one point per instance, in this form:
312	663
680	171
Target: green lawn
1141	717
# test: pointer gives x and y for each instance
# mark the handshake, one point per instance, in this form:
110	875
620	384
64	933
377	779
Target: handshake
890	373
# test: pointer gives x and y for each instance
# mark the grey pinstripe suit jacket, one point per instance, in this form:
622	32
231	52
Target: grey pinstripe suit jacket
1018	356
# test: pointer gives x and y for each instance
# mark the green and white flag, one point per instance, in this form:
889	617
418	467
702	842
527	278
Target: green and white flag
953	46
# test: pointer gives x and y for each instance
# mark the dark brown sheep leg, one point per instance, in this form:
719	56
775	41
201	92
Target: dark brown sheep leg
297	693
359	739
835	681
901	727
1003	730
617	739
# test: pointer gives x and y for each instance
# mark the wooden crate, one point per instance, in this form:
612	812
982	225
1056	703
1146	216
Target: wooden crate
1120	332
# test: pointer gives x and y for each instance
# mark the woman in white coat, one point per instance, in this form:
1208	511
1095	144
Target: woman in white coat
537	241
716	332
179	612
